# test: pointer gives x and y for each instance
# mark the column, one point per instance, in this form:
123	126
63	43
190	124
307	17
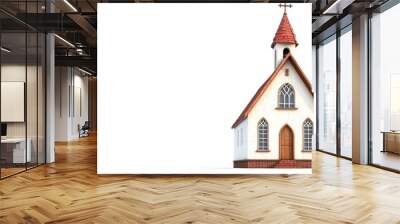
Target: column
360	89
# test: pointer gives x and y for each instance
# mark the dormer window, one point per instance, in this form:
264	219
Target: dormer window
286	97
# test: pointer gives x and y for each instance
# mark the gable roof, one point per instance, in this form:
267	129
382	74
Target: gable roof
267	83
284	34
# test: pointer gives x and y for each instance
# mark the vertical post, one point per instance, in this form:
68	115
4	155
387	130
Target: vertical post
50	92
360	89
369	90
338	76
316	96
26	87
0	92
37	89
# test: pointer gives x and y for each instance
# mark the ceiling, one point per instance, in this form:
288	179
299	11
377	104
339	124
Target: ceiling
75	22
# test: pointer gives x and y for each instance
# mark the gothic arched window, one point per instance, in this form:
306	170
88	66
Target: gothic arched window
286	96
307	135
262	135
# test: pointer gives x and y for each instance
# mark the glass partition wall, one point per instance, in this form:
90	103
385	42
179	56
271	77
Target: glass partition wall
22	97
13	88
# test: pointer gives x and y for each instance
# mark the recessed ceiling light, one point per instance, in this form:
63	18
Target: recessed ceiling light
64	40
5	50
337	7
70	5
84	71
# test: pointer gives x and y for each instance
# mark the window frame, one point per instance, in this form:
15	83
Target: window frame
304	134
259	149
282	106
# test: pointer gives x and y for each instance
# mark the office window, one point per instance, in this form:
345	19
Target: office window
346	93
385	89
307	135
286	96
327	95
262	135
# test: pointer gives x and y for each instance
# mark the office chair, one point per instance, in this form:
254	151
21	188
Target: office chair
84	130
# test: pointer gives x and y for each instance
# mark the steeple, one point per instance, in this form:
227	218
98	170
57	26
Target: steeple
284	34
284	41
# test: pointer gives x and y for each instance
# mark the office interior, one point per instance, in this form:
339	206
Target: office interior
48	82
48	79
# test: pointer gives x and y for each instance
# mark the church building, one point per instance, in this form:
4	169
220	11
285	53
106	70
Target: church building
275	129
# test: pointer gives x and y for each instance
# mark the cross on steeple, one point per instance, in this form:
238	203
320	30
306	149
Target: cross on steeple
284	5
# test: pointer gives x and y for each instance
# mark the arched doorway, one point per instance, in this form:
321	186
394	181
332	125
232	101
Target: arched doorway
286	143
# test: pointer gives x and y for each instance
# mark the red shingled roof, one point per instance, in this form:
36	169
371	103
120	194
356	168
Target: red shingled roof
267	83
284	34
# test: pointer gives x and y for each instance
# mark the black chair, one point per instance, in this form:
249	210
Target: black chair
84	130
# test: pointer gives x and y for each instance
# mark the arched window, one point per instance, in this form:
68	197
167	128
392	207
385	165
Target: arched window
285	51
286	96
262	135
307	135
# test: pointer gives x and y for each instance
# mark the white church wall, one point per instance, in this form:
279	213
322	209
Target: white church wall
241	141
266	107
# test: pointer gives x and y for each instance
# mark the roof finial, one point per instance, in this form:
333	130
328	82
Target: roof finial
284	5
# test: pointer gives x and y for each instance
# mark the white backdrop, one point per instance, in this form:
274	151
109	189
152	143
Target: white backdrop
172	79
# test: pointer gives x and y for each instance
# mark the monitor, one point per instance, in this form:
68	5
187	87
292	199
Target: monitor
3	129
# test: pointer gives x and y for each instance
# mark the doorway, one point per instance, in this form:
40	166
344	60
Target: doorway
286	149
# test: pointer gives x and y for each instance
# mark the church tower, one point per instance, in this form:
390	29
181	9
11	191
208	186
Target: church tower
284	41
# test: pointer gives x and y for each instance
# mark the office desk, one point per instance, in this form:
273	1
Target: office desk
13	150
391	141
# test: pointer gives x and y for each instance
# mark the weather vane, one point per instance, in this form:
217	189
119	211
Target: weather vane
284	5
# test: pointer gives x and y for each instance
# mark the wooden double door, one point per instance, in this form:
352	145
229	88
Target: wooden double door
286	143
